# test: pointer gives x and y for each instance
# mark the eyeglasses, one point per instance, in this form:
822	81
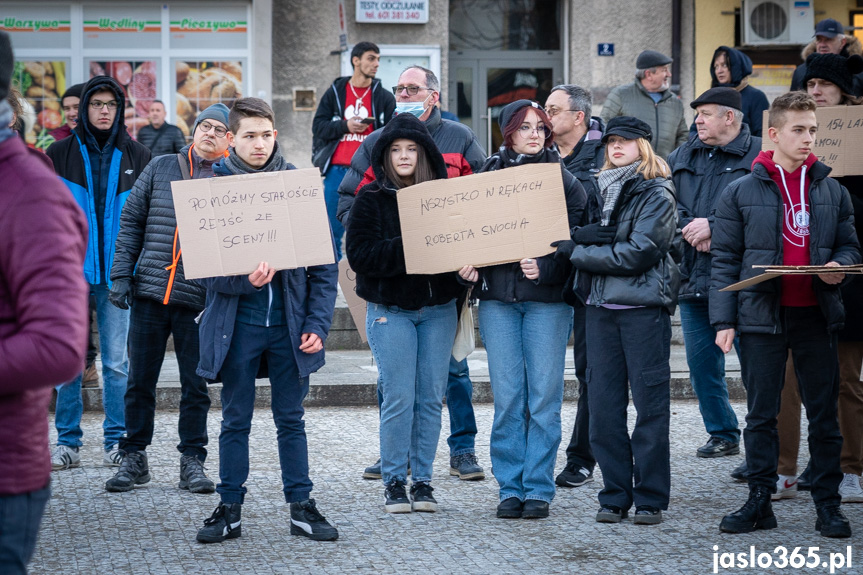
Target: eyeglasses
411	90
526	130
552	112
97	105
207	126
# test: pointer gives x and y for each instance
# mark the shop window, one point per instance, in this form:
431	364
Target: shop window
41	83
200	84
139	81
504	24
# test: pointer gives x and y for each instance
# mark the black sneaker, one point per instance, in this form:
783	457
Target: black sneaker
466	467
574	475
716	447
373	471
421	495
307	521
133	471
832	522
192	476
396	498
534	509
610	514
647	515
510	508
223	524
740	473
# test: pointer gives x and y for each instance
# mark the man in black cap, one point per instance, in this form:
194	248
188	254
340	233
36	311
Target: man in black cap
69	103
830	38
701	169
651	100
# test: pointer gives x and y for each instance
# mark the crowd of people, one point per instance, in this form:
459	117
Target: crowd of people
659	214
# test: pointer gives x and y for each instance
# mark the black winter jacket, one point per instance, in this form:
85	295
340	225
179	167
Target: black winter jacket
699	180
506	282
329	124
638	268
145	243
374	239
852	287
747	230
168	139
753	101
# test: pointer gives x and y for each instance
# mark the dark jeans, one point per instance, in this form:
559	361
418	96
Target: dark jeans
816	364
20	516
151	323
249	345
92	350
578	452
459	404
630	345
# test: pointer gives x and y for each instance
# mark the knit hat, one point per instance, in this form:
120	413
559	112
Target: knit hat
73	91
728	97
7	64
834	68
627	127
407	126
829	28
651	59
510	109
218	112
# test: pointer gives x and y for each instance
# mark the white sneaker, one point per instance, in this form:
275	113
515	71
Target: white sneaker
786	487
850	489
113	457
65	457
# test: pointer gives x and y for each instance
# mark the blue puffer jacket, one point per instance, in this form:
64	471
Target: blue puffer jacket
72	163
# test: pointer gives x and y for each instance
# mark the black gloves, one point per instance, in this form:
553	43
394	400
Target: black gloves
564	247
121	293
595	234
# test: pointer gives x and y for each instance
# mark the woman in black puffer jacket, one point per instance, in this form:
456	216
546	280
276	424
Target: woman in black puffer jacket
410	319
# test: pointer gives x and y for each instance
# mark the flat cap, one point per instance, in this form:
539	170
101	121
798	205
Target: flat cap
627	127
728	97
651	59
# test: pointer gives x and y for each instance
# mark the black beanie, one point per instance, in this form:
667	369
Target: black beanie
510	109
73	91
728	97
407	126
7	64
834	68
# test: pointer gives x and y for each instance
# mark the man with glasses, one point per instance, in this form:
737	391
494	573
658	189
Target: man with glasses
148	276
578	137
417	92
99	164
349	111
651	100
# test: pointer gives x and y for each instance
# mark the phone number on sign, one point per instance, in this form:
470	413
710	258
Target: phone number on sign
781	559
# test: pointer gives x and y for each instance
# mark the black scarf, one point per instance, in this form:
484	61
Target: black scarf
506	158
235	165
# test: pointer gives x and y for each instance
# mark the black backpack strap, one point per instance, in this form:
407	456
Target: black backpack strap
184	169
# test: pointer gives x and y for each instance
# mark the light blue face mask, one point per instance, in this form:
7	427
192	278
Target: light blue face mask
415	108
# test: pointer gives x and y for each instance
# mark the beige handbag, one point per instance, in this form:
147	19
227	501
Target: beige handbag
465	339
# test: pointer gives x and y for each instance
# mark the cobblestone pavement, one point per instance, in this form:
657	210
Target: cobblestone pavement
152	529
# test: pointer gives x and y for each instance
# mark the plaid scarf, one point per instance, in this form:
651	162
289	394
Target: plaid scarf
610	183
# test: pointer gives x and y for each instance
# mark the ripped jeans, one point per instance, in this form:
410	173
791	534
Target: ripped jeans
412	349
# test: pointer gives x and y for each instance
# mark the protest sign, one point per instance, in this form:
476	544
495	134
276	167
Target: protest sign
229	225
771	272
839	141
482	219
356	305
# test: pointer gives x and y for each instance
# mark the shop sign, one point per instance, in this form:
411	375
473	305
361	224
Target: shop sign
37	27
193	28
108	27
392	11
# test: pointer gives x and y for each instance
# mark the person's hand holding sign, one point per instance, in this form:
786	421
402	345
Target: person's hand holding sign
530	268
833	278
262	276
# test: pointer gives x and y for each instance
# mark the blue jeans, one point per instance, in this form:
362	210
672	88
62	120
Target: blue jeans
20	517
526	345
332	180
113	336
249	344
629	349
412	349
707	371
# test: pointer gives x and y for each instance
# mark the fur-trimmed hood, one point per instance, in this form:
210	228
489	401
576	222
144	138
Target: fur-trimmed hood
852	46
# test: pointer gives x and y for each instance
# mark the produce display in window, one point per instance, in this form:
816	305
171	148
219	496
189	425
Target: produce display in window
202	84
41	82
138	79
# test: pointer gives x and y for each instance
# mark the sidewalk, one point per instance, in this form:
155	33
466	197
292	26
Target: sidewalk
152	529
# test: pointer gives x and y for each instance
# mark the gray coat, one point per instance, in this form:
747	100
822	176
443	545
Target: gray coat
665	117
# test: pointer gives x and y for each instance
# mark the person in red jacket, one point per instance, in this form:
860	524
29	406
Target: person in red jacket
43	327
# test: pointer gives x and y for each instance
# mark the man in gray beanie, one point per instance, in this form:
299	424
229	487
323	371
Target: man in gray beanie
43	311
148	275
650	99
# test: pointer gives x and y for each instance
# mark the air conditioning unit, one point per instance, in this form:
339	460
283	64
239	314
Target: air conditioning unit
777	21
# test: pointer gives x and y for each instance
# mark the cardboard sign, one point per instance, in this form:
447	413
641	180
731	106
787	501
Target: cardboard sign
229	225
482	219
839	141
356	304
771	272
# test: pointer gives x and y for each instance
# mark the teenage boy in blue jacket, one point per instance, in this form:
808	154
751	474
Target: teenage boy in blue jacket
268	321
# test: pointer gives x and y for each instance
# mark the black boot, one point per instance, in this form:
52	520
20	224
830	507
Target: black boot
223	524
756	513
832	522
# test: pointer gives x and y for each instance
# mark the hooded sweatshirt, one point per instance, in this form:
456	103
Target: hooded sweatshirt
753	101
797	291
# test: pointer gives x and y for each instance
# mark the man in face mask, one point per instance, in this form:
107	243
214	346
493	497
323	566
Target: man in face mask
417	92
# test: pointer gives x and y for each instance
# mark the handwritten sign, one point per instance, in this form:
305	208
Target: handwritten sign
228	225
356	304
482	219
839	141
